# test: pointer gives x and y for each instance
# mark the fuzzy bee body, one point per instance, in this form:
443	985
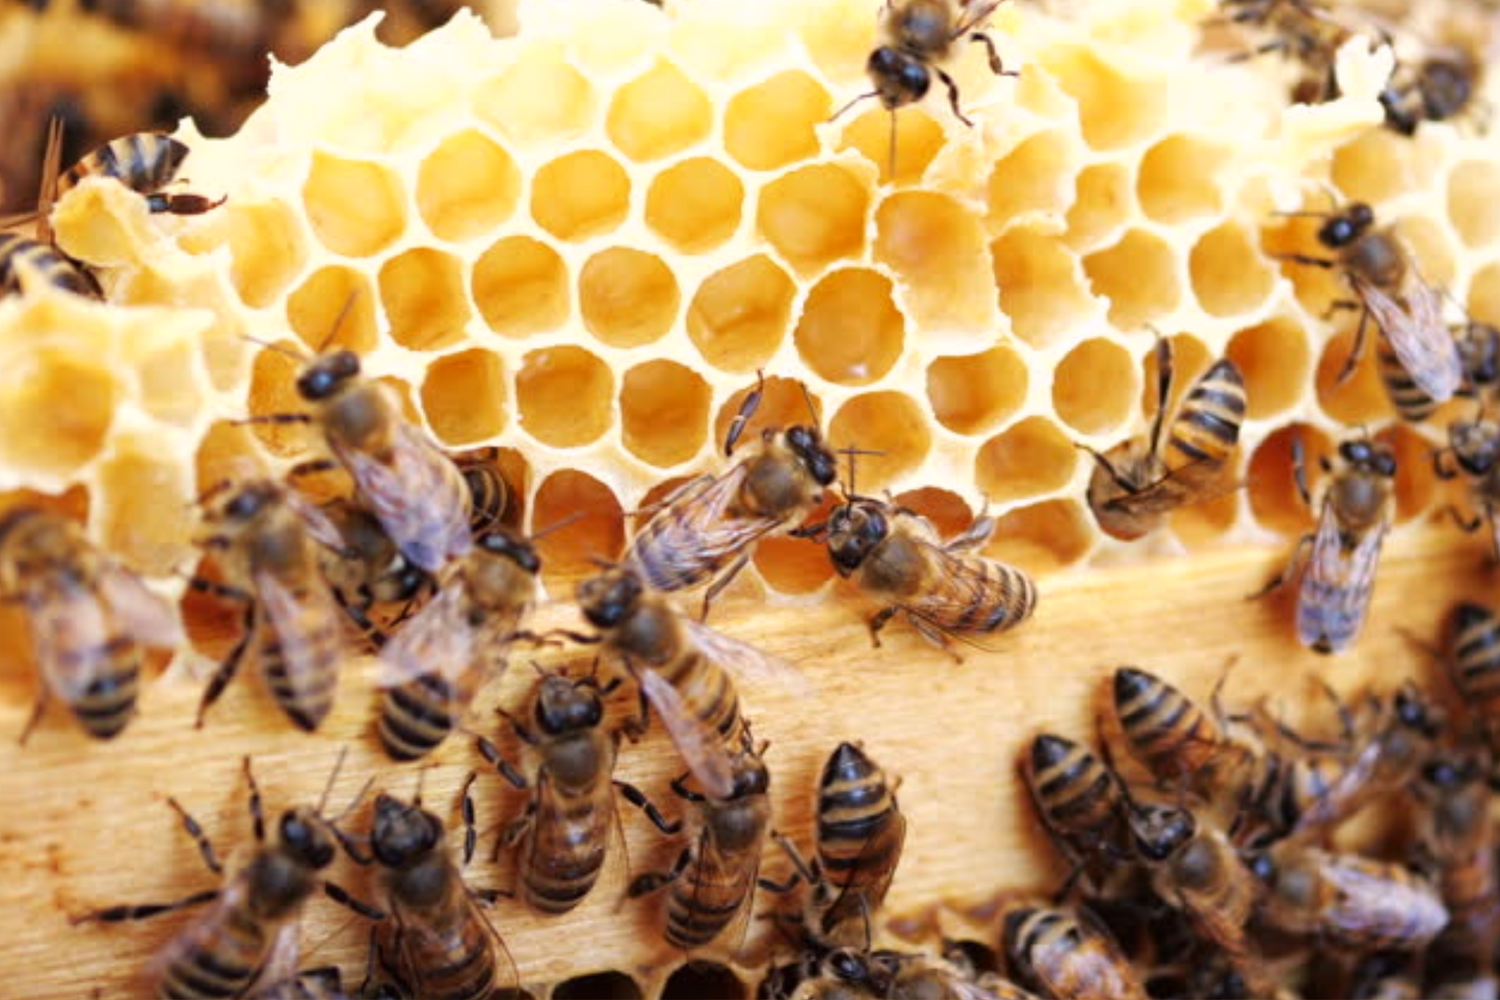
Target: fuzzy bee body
1064	953
20	257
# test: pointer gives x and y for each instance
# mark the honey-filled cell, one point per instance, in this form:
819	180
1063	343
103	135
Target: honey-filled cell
581	194
784	402
1036	176
464	396
1138	275
889	423
333	308
773	123
509	101
627	297
1228	275
1178	179
355	208
739	315
850	331
918	139
467	186
1274	360
659	113
1102	205
1043	537
227	453
594	528
949	513
520	286
266	251
664	412
1040	286
1361	398
814	215
565	396
66	403
971	393
695	205
1274	499
1474	202
422	291
1484	294
1375	166
1093	386
1030	459
1201	524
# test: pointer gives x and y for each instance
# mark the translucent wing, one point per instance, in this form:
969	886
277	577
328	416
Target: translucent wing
1336	586
324	530
145	616
301	619
439	639
700	746
745	660
970	594
1418	336
280	968
846	905
694	535
70	635
976	12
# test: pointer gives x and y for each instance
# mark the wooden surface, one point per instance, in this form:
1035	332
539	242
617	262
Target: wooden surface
84	825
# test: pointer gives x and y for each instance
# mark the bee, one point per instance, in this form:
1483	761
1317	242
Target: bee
1347	901
145	162
711	884
23	259
683	669
708	528
90	619
1305	30
563	835
364	566
271	564
1136	483
1474	449
1440	87
1337	572
249	935
1067	953
1473	664
845	974
1479	348
1418	358
1455	847
435	940
861	831
1081	806
458	642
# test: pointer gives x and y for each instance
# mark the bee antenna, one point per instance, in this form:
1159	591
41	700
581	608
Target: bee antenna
857	99
555	526
812	409
297	356
338	320
333	776
541	671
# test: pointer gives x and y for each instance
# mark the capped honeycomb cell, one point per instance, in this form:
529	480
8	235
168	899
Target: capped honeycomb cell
664	412
698	980
814	215
596	529
1228	274
467	186
142	502
695	205
937	247
1430	248
1177	179
521	287
1115	108
1027	460
888	422
1360	399
627	297
948	512
422	291
796	565
739	315
1040	286
1416	484
355	208
773	124
565	396
59	439
659	113
1189	360
971	393
332	308
227	453
1274	358
1474	202
1274	499
265	247
850	331
1138	275
580	195
463	397
1203	524
1093	386
1375	166
918	139
1102	205
509	101
1043	537
1036	176
784	403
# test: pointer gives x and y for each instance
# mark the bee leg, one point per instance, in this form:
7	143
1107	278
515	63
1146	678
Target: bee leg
181	204
975	535
952	86
656	881
359	615
491	753
724	580
275	418
879	622
341	896
935	636
227	669
637	798
682	791
257	815
1356	351
1285	576
514	831
37	711
523	734
205	847
142	911
471	834
746	411
996	66
311	467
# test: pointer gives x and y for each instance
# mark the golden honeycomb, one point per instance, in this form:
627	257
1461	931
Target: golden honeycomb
581	243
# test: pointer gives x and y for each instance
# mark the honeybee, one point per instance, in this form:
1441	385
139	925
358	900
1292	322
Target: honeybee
1305	30
22	259
683	669
1479	347
364	567
1067	953
1440	87
271	564
459	641
1475	449
1474	665
145	162
1347	901
1337	573
249	936
846	974
1138	482
90	619
1081	806
1455	847
707	529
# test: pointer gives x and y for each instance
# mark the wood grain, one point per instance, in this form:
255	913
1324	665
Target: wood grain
84	825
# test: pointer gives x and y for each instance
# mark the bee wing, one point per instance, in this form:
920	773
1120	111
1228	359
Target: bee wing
966	599
695	533
323	529
700	746
1415	330
745	660
875	893
1368	899
70	638
298	617
278	974
145	615
439	639
1336	586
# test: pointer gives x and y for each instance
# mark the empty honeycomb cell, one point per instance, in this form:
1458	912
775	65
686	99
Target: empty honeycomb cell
227	453
1189	360
773	124
333	307
463	397
1474	201
1036	176
422	291
1027	460
795	566
1203	524
664	412
695	205
785	402
1375	166
580	195
1177	179
1273	493
565	396
355	208
595	529
947	511
467	186
971	393
1043	537
58	439
1040	286
142	503
889	423
1115	108
266	251
1416	484
937	247
659	113
627	297
814	215
521	287
918	139
1102	205
1274	358
509	101
699	980
1362	397
739	315
1094	386
1229	276
850	331
1429	249
1138	275
273	390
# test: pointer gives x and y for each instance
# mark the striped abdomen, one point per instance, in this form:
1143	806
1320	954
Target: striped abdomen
564	850
450	955
1410	401
417	716
1076	796
144	162
860	834
1060	956
1164	728
108	702
708	896
305	688
1003	596
1206	429
1475	664
215	959
17	253
709	695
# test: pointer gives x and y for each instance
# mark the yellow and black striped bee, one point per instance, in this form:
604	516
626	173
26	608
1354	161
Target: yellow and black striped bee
458	642
1138	482
849	974
1066	953
1081	805
707	529
1309	32
1473	663
1337	574
249	935
365	568
1475	449
89	618
259	537
22	259
145	162
1440	87
1455	848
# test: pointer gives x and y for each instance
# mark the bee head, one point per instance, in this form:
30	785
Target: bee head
500	542
1347	226
565	707
807	444
847	965
1475	445
307	838
608	598
899	79
325	375
404	833
751	776
854	529
1368	456
1160	830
